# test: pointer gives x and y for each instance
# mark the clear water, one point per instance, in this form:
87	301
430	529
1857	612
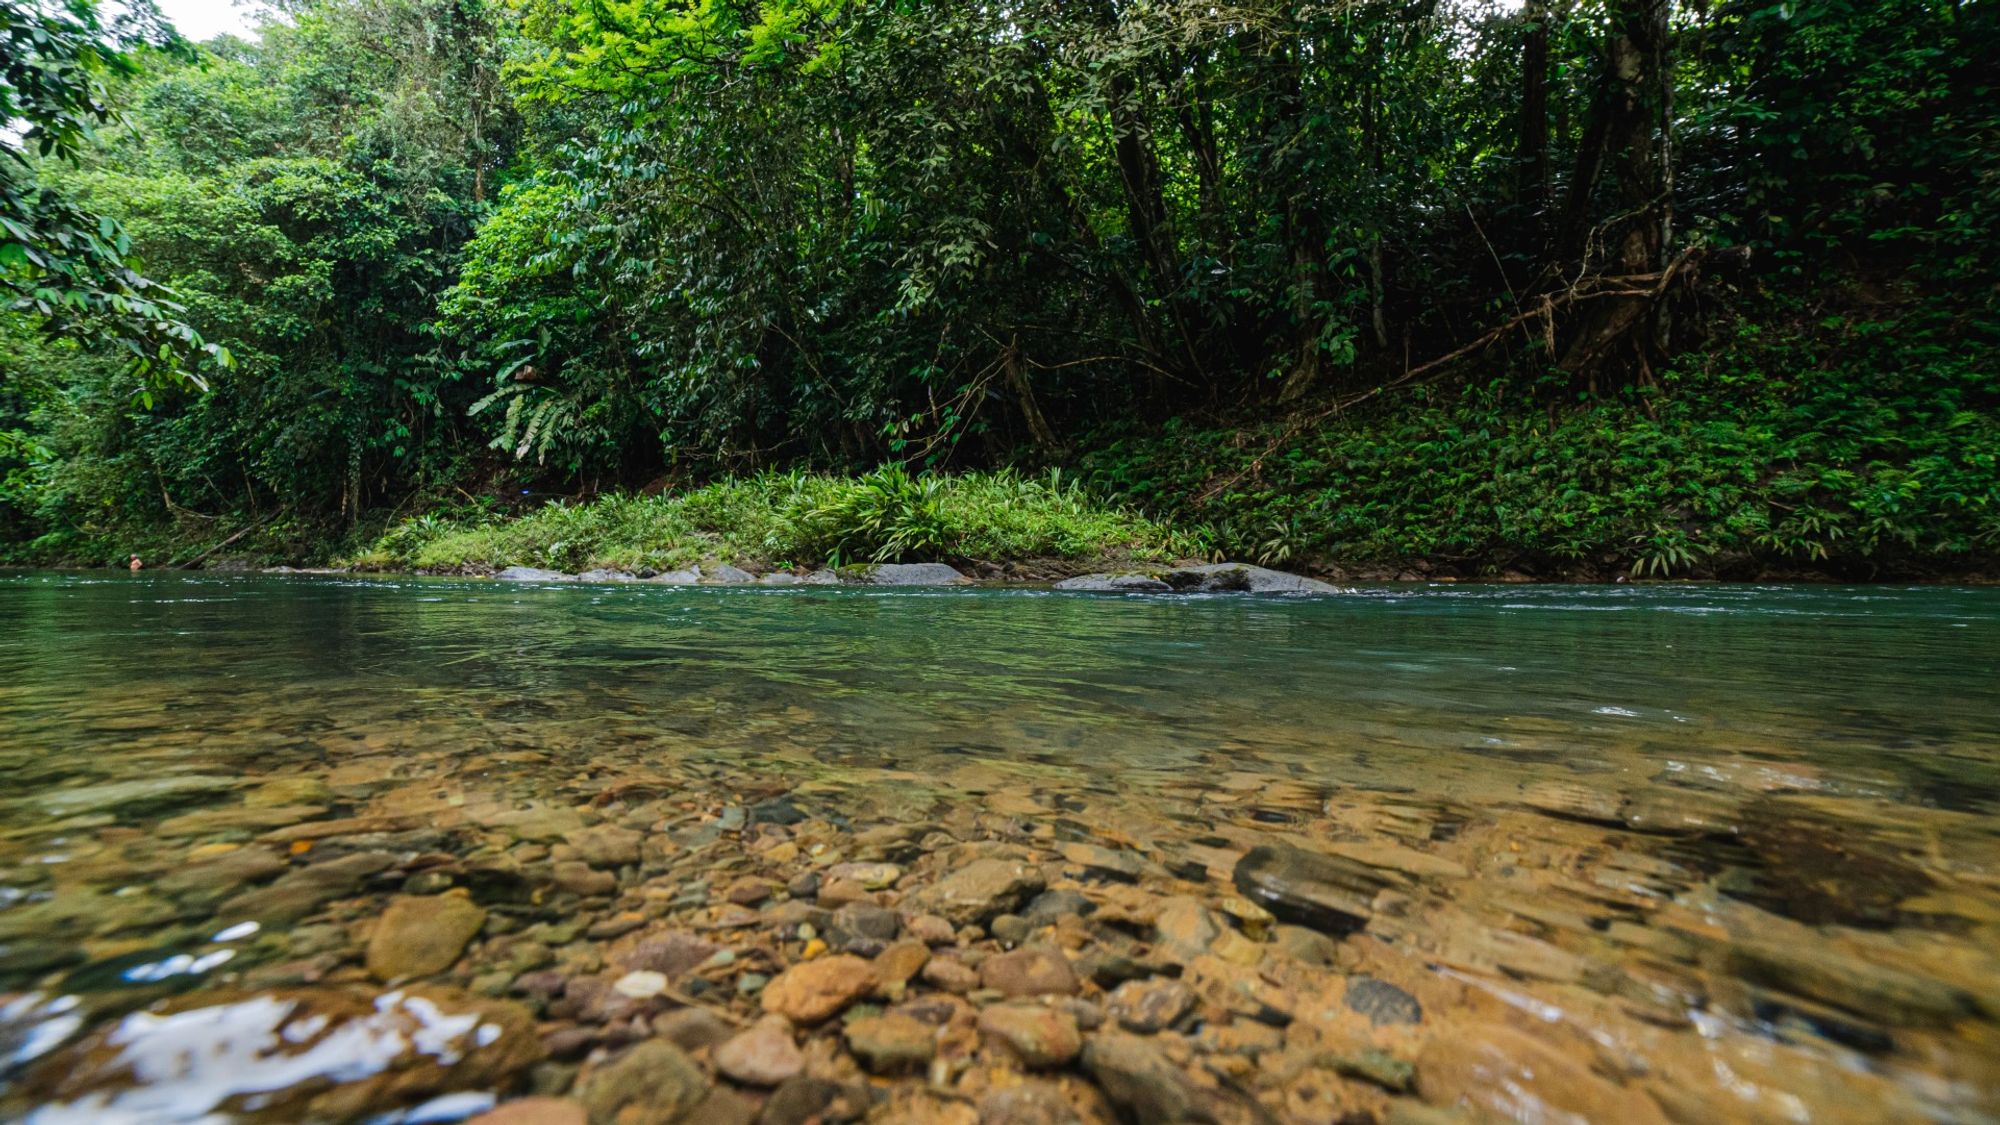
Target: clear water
1816	765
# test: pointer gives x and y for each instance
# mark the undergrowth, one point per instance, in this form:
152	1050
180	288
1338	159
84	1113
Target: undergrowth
1855	447
792	519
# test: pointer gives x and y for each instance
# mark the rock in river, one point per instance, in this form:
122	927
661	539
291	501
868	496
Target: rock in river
814	990
1326	892
532	574
762	1056
908	574
423	934
654	1083
978	891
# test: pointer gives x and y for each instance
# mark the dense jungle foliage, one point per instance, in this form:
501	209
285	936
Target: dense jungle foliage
1555	286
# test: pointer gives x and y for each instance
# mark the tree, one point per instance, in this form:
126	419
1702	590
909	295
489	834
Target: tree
65	265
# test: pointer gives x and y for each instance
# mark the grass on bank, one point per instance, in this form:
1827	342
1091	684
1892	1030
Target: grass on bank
792	519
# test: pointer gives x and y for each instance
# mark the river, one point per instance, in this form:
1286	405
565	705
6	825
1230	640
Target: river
1673	852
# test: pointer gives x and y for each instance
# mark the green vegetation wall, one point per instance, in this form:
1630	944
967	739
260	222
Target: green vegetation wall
1617	282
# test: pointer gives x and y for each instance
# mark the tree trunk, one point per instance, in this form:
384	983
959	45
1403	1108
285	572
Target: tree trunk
1532	139
1636	103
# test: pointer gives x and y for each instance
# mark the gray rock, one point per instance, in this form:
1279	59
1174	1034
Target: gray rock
822	577
725	575
1382	1002
1329	893
779	578
605	576
532	574
1116	584
912	574
1244	578
687	577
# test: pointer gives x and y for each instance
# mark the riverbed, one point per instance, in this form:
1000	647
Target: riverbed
344	848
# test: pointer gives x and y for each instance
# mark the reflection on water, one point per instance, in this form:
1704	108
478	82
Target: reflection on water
1722	831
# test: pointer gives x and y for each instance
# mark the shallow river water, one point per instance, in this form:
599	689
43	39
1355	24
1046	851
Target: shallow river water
1634	853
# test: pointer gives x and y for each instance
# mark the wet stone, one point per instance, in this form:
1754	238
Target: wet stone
1034	971
1328	893
1148	1006
815	990
762	1056
607	845
419	936
1139	1079
654	1083
1041	1037
892	1044
979	891
1383	1003
862	928
799	1101
1049	906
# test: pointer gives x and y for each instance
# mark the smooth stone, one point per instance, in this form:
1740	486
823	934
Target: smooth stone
1041	1037
692	1029
722	574
1115	584
951	975
862	928
1383	1003
892	1044
1033	971
606	845
910	574
895	965
1329	893
606	576
1152	1005
977	892
762	1056
532	574
642	984
812	991
799	1101
1010	929
1245	578
689	577
1140	1079
654	1083
872	876
418	936
1184	929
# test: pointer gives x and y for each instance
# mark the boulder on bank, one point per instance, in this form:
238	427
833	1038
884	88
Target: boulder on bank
1209	578
905	574
532	574
1116	584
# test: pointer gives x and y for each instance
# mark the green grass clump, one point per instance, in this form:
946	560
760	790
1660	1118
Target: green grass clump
793	519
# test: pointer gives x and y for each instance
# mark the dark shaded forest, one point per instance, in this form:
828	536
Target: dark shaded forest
1557	288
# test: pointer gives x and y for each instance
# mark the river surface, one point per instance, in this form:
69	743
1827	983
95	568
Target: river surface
1734	850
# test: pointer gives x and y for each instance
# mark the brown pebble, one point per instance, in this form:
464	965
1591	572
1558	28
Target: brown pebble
814	990
1033	971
